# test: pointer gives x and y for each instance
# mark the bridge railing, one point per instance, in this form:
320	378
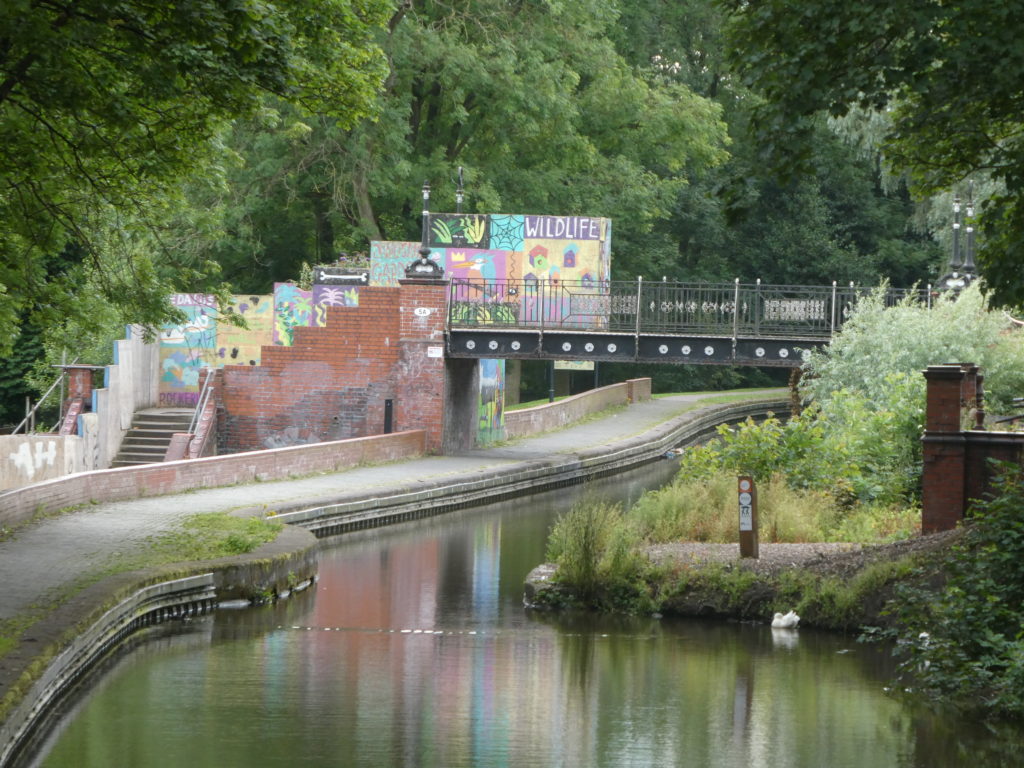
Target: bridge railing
705	309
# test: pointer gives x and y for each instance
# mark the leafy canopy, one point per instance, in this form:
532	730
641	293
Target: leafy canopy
947	74
105	106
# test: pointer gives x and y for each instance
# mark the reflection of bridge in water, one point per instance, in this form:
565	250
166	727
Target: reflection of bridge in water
706	323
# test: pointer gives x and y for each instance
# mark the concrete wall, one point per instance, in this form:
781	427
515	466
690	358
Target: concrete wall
177	476
130	384
542	418
26	459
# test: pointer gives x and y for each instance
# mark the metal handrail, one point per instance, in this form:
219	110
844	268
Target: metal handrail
204	396
30	416
737	310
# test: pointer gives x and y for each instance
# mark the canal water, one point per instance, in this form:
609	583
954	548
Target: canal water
414	649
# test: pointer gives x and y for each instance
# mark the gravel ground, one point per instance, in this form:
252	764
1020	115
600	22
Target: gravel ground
841	560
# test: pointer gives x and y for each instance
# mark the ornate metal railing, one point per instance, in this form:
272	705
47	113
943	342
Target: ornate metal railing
748	310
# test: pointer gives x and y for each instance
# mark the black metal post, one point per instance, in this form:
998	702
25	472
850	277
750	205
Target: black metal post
969	266
954	263
551	381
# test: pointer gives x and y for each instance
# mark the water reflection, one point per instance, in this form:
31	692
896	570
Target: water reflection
415	650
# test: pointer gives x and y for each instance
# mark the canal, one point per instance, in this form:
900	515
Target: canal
414	649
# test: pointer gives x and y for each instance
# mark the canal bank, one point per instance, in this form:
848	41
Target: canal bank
47	563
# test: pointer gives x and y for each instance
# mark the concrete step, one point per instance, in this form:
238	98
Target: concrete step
149	436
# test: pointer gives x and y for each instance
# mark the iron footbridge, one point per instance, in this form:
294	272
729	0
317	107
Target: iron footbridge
650	322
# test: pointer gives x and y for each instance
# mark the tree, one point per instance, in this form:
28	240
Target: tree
948	75
532	100
106	106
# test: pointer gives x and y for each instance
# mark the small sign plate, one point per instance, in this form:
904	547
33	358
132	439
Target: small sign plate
435	351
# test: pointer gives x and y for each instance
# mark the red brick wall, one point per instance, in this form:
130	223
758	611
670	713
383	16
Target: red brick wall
956	461
420	380
178	476
332	383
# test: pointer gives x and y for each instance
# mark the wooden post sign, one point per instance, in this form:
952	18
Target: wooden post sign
748	516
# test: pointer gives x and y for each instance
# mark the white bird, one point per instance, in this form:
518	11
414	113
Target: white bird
789	621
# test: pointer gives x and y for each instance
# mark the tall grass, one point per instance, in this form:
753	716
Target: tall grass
707	510
597	551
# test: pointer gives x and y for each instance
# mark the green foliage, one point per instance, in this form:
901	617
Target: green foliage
106	107
877	342
972	654
597	555
704	509
954	105
211	535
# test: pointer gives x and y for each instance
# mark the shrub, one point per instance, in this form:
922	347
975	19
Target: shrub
972	652
597	554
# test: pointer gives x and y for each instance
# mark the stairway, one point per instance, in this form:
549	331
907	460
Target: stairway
147	439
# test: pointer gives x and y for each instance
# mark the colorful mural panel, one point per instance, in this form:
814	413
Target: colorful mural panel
491	422
507	232
332	296
186	349
242	346
459	230
388	261
293	307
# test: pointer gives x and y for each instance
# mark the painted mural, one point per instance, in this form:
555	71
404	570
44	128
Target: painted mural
505	247
293	307
186	349
243	346
491	406
203	341
388	260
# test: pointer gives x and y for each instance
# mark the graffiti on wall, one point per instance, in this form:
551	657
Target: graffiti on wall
388	261
491	405
293	308
186	349
325	296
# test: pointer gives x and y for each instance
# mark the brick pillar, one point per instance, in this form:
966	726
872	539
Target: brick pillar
420	385
942	481
80	381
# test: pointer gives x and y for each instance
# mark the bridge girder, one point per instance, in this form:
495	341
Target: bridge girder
607	346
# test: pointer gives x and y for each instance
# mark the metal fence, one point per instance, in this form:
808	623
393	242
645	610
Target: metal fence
736	309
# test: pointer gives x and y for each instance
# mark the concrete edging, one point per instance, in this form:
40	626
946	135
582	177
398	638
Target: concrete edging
80	640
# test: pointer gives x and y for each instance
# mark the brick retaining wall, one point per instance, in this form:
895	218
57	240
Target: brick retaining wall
543	418
177	476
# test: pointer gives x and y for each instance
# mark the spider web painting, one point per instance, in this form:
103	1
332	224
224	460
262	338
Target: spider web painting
506	232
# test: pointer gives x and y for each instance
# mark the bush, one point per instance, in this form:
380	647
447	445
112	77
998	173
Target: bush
972	651
597	554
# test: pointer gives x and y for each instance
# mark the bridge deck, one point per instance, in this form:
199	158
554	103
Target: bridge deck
752	324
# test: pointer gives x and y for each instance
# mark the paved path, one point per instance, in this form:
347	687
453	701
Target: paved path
51	556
